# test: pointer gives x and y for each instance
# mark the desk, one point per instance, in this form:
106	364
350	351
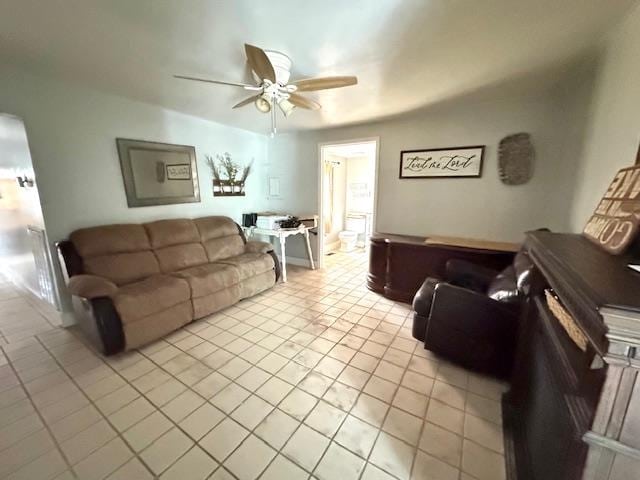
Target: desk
282	234
398	264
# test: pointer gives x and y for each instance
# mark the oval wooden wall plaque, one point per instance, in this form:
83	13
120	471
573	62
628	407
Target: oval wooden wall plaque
515	159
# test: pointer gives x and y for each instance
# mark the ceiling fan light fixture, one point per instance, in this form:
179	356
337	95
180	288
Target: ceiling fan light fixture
286	107
263	105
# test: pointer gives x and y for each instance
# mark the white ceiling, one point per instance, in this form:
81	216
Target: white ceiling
407	54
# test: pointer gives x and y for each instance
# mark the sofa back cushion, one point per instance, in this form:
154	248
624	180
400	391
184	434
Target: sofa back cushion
503	287
513	282
182	256
123	268
120	253
128	253
107	239
176	244
220	237
165	233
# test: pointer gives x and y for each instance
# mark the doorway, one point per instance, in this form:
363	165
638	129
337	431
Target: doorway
347	197
24	251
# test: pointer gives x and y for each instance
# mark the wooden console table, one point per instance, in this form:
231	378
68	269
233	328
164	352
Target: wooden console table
574	414
281	234
398	264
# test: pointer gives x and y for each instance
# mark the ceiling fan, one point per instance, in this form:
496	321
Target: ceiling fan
271	70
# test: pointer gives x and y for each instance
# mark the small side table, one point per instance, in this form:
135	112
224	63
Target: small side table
282	234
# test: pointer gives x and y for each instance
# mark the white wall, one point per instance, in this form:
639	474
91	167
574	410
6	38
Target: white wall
475	207
72	132
613	133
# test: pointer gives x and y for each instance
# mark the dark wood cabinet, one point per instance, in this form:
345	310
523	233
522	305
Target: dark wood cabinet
398	264
567	409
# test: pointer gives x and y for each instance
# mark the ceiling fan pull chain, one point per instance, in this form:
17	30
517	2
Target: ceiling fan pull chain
273	121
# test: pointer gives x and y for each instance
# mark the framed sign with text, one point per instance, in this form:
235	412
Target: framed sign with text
616	219
179	171
459	162
157	173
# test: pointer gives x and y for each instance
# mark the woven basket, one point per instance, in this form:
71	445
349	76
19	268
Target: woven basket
566	320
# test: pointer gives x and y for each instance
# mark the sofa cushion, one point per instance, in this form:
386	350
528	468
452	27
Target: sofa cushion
147	329
522	266
504	287
178	257
109	239
254	285
214	302
119	253
123	268
149	296
220	236
250	264
224	247
215	227
209	278
164	233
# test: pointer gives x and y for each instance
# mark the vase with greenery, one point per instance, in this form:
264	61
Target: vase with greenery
224	166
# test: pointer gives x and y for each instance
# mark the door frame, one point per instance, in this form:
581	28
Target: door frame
374	216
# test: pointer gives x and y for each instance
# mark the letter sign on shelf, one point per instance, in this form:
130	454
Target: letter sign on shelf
616	219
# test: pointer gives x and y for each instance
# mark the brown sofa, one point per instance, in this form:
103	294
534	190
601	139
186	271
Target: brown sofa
134	283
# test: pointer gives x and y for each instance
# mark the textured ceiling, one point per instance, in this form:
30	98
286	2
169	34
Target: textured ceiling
407	54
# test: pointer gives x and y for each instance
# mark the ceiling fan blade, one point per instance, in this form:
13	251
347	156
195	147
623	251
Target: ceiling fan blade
302	102
324	83
219	82
260	63
246	101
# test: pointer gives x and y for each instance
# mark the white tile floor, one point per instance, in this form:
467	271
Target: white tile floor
317	378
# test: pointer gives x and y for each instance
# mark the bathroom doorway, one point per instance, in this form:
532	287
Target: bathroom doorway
347	198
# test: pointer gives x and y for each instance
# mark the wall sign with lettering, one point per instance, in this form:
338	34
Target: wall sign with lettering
442	162
179	171
616	220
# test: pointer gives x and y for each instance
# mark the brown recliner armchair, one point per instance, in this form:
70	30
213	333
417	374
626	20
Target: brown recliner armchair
471	317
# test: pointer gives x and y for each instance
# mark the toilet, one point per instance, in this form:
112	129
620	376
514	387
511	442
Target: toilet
356	224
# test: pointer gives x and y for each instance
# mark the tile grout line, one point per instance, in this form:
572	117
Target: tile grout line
42	419
360	392
272	375
104	417
251	432
339	299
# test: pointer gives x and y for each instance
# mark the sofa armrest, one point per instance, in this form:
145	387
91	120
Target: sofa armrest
258	247
469	275
472	311
423	297
91	286
472	330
